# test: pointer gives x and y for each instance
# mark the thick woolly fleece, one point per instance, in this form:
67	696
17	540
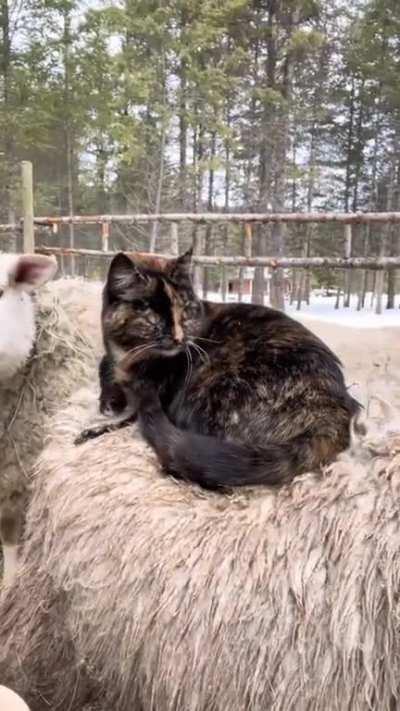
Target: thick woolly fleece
59	363
138	593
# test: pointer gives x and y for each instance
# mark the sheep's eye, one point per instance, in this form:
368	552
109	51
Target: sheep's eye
1	293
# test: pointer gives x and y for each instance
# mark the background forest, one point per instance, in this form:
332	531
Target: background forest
202	105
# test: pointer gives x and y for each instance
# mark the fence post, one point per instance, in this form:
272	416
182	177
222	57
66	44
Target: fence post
174	238
197	270
105	235
247	244
27	206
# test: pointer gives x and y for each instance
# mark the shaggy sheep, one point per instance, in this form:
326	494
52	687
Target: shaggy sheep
139	593
43	357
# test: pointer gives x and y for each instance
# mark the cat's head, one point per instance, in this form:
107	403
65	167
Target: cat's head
145	310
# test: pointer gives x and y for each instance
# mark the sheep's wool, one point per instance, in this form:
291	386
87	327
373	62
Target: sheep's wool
58	363
139	593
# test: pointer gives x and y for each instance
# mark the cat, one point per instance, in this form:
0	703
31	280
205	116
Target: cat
226	394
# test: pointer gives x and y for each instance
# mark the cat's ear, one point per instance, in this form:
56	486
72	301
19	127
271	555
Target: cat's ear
124	277
181	267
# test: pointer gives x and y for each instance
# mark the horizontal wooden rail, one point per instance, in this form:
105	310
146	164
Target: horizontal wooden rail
210	217
215	217
10	228
374	263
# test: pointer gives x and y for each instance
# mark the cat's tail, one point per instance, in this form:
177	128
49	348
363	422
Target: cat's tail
214	463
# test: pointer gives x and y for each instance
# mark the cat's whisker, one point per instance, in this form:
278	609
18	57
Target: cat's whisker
143	347
134	354
207	340
190	366
200	352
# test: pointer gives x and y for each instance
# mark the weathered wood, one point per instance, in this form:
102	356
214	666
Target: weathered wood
248	239
374	263
12	227
246	246
27	206
214	217
105	235
350	218
197	271
174	239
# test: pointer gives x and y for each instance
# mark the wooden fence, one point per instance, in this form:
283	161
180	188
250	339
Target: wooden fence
31	227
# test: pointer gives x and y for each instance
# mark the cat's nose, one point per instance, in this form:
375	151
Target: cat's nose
177	334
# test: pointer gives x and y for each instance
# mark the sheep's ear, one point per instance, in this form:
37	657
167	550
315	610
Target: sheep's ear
125	278
29	271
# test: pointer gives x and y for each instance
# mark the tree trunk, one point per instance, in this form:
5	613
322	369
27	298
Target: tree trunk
160	182
161	166
6	191
348	240
371	205
394	242
101	162
281	135
386	231
364	276
349	156
183	123
264	165
68	127
391	277
210	204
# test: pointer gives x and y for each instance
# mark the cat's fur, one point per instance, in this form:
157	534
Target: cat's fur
226	394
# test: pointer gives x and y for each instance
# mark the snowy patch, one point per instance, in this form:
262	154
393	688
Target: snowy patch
322	308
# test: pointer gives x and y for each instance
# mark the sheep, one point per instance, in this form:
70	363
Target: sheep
140	593
42	358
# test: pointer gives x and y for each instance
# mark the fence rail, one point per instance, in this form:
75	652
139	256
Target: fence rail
378	263
345	218
31	227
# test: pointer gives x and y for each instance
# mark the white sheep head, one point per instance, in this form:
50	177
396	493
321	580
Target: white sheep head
20	275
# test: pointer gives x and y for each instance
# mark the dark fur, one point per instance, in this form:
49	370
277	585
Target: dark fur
227	394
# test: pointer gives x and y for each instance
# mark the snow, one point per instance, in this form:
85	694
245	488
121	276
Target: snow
322	308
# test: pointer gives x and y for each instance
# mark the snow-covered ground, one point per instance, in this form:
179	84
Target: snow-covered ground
322	308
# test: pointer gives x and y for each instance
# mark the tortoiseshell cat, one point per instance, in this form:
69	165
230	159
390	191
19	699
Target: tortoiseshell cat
226	394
